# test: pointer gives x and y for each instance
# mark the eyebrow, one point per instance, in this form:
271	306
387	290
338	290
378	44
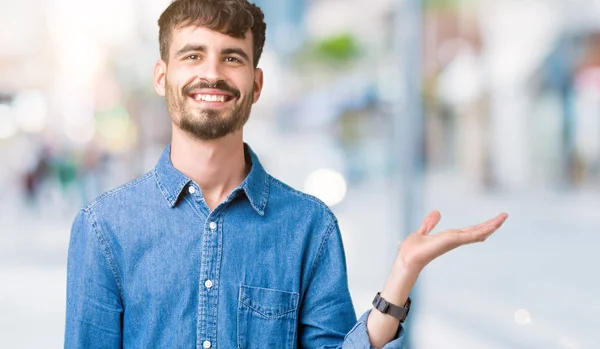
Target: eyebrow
237	51
189	48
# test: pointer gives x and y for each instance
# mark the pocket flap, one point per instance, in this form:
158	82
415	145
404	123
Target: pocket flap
269	302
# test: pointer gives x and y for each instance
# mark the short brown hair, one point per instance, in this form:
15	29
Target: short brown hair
231	17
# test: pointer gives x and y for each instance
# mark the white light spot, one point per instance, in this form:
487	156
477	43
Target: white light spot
327	185
82	132
31	111
522	317
8	126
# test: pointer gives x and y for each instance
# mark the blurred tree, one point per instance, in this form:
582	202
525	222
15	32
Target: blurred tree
444	4
340	49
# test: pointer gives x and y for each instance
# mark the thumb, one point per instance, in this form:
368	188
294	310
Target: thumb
430	222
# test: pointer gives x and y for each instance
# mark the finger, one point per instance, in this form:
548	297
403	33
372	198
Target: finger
482	232
494	222
430	222
423	228
453	238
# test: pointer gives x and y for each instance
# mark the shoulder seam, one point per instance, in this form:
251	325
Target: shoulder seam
301	194
118	189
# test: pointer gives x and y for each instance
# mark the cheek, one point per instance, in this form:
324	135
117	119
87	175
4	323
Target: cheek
244	81
178	77
251	87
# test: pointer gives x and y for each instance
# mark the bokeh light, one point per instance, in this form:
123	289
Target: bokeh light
327	185
522	317
8	125
31	110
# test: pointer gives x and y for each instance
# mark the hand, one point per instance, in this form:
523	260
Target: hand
419	248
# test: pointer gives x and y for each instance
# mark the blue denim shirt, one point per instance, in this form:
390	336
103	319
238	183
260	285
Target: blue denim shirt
150	266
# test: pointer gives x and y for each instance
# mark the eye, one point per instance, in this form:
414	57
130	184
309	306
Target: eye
192	57
232	59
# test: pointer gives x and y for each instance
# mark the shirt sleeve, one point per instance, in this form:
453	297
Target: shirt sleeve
94	306
358	337
327	317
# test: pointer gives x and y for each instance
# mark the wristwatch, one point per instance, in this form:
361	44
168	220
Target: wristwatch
391	309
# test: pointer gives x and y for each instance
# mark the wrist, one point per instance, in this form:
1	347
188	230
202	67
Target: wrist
403	266
400	282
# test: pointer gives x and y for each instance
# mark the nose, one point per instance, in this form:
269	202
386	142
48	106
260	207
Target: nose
211	70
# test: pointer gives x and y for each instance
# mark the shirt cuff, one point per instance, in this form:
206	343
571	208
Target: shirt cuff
358	337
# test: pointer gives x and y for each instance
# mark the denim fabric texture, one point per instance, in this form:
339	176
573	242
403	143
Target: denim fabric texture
151	266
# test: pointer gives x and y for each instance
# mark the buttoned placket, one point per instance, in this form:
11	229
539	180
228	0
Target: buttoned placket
210	262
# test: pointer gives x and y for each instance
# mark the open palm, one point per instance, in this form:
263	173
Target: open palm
420	248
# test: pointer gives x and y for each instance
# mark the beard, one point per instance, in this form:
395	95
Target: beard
205	123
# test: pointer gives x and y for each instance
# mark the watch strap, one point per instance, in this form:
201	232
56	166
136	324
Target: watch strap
391	309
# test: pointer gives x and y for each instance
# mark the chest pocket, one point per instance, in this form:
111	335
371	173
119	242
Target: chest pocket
266	318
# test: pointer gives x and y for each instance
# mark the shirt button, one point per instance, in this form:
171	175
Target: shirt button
213	225
192	189
208	284
206	344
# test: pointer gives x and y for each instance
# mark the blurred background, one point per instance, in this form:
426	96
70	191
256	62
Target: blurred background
385	109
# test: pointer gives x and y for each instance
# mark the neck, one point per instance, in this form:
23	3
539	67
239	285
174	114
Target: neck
217	166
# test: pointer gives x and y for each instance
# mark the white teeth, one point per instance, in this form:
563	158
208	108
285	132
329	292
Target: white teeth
210	98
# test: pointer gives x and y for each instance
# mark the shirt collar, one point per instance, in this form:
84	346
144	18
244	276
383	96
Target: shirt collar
172	182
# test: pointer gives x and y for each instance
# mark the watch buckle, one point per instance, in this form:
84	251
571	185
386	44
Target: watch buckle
385	307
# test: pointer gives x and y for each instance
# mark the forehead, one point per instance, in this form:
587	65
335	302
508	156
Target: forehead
209	38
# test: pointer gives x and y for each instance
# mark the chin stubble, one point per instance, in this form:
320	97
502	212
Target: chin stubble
207	124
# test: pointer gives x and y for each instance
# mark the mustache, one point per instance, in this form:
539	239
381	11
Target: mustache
219	85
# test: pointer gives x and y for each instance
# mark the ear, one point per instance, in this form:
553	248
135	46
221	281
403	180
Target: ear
160	74
258	83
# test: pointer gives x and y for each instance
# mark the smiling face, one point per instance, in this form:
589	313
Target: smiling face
209	81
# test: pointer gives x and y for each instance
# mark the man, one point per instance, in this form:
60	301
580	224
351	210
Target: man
209	251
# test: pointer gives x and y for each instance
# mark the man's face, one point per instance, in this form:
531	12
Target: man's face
209	82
